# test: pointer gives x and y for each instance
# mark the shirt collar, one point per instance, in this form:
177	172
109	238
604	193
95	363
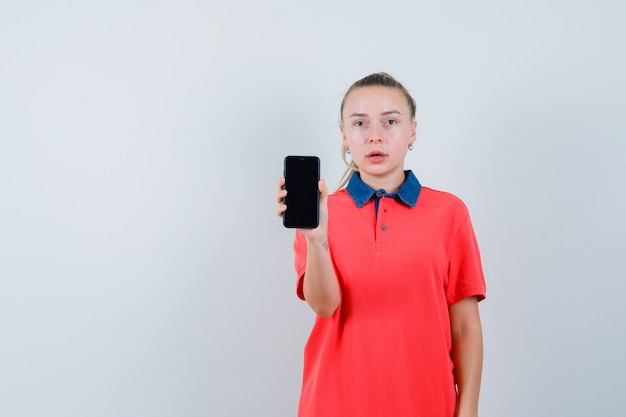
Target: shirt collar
408	192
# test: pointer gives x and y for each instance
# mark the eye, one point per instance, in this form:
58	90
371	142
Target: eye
392	122
359	123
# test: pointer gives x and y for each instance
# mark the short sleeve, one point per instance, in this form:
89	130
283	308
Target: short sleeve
300	250
465	272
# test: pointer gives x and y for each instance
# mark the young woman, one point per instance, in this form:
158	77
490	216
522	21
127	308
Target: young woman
393	272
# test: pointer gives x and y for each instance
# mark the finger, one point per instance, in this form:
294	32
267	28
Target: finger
280	195
280	210
323	189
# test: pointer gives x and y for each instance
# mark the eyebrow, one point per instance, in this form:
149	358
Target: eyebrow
386	113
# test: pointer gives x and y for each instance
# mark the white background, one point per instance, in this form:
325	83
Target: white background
142	269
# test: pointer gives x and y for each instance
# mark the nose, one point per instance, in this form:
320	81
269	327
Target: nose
375	135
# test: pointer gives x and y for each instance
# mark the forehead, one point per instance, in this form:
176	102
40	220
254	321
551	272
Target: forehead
375	98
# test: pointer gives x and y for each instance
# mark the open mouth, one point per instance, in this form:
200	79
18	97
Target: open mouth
376	156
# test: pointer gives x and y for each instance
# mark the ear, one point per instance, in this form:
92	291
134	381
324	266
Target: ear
343	136
413	132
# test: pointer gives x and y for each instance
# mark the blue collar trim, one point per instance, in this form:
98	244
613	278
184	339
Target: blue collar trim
408	193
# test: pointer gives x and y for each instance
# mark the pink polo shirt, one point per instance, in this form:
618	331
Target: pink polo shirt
386	351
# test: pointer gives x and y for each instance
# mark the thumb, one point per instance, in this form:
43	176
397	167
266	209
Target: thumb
323	189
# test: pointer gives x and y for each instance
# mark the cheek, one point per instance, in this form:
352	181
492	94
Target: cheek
355	135
404	133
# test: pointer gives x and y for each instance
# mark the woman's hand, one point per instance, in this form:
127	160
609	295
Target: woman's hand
320	233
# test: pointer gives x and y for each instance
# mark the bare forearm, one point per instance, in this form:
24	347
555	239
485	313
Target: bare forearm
467	354
468	362
320	286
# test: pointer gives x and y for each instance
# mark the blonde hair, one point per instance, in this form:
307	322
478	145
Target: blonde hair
378	79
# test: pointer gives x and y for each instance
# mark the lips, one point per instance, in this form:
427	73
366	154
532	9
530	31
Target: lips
376	156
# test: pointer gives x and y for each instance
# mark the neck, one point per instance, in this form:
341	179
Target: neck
390	183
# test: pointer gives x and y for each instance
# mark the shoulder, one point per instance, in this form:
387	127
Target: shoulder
441	199
339	196
341	203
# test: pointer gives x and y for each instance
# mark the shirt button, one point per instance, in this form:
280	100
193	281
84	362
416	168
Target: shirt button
384	227
379	194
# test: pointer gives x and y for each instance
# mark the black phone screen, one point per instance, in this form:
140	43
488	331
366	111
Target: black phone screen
302	174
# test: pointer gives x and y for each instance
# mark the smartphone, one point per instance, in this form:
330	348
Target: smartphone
302	174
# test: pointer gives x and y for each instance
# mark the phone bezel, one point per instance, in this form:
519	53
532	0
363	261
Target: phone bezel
299	221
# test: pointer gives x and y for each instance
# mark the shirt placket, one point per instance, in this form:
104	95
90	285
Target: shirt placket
383	234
